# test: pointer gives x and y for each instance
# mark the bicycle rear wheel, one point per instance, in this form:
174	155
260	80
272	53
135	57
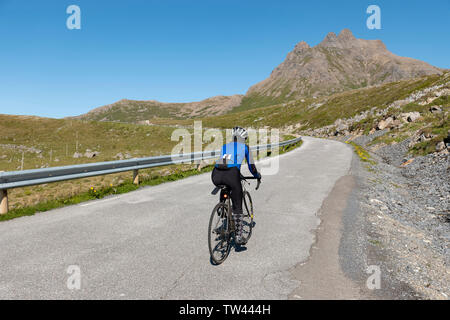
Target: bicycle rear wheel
247	223
219	234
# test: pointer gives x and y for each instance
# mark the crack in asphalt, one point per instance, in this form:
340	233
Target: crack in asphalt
176	282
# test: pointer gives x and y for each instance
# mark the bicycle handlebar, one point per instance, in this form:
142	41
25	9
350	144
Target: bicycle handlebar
252	178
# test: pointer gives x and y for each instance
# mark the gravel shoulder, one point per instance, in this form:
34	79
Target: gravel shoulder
407	220
385	216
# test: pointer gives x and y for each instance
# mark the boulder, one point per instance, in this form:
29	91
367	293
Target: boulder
341	128
376	201
410	116
435	109
119	156
407	162
413	116
447	140
397	123
428	135
440	146
77	155
341	125
91	154
424	137
386	123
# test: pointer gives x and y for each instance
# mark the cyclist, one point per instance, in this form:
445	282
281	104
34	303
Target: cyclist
227	172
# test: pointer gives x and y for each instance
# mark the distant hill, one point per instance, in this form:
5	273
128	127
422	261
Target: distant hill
336	64
141	111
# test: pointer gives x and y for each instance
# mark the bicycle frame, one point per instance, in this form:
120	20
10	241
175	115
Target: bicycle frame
225	204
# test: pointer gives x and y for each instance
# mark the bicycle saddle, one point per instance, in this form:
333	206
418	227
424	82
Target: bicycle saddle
219	187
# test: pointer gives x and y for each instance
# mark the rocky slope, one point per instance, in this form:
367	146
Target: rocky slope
407	220
404	189
338	63
420	122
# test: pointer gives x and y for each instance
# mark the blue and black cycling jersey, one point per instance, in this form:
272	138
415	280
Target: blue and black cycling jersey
233	154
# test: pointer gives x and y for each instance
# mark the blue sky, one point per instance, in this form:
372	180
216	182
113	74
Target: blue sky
181	51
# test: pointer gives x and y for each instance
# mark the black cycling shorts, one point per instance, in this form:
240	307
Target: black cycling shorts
230	177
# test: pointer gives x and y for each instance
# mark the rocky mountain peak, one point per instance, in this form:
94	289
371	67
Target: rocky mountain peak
301	46
336	64
330	40
346	39
346	35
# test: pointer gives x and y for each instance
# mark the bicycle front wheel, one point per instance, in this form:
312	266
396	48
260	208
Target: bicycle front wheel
219	234
247	223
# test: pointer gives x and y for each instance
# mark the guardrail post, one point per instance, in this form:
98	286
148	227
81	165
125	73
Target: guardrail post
3	201
136	176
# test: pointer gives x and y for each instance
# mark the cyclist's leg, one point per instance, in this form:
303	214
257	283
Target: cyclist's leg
232	179
236	198
217	176
234	182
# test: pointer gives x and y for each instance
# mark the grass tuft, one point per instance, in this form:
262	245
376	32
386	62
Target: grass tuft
362	153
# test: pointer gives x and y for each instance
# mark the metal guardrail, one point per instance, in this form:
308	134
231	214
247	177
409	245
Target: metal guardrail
16	179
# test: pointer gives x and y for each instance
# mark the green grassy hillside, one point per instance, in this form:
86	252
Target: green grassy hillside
46	142
313	113
132	111
58	140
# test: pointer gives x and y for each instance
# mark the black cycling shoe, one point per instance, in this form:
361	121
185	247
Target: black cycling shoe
240	241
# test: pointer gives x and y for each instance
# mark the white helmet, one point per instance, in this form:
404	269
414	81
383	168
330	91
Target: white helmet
240	132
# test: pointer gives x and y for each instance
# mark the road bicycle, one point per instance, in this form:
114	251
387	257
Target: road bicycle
221	230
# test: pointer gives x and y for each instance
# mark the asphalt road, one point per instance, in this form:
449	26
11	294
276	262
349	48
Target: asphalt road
152	243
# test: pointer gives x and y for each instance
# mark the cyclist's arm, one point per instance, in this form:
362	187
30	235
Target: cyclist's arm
251	163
